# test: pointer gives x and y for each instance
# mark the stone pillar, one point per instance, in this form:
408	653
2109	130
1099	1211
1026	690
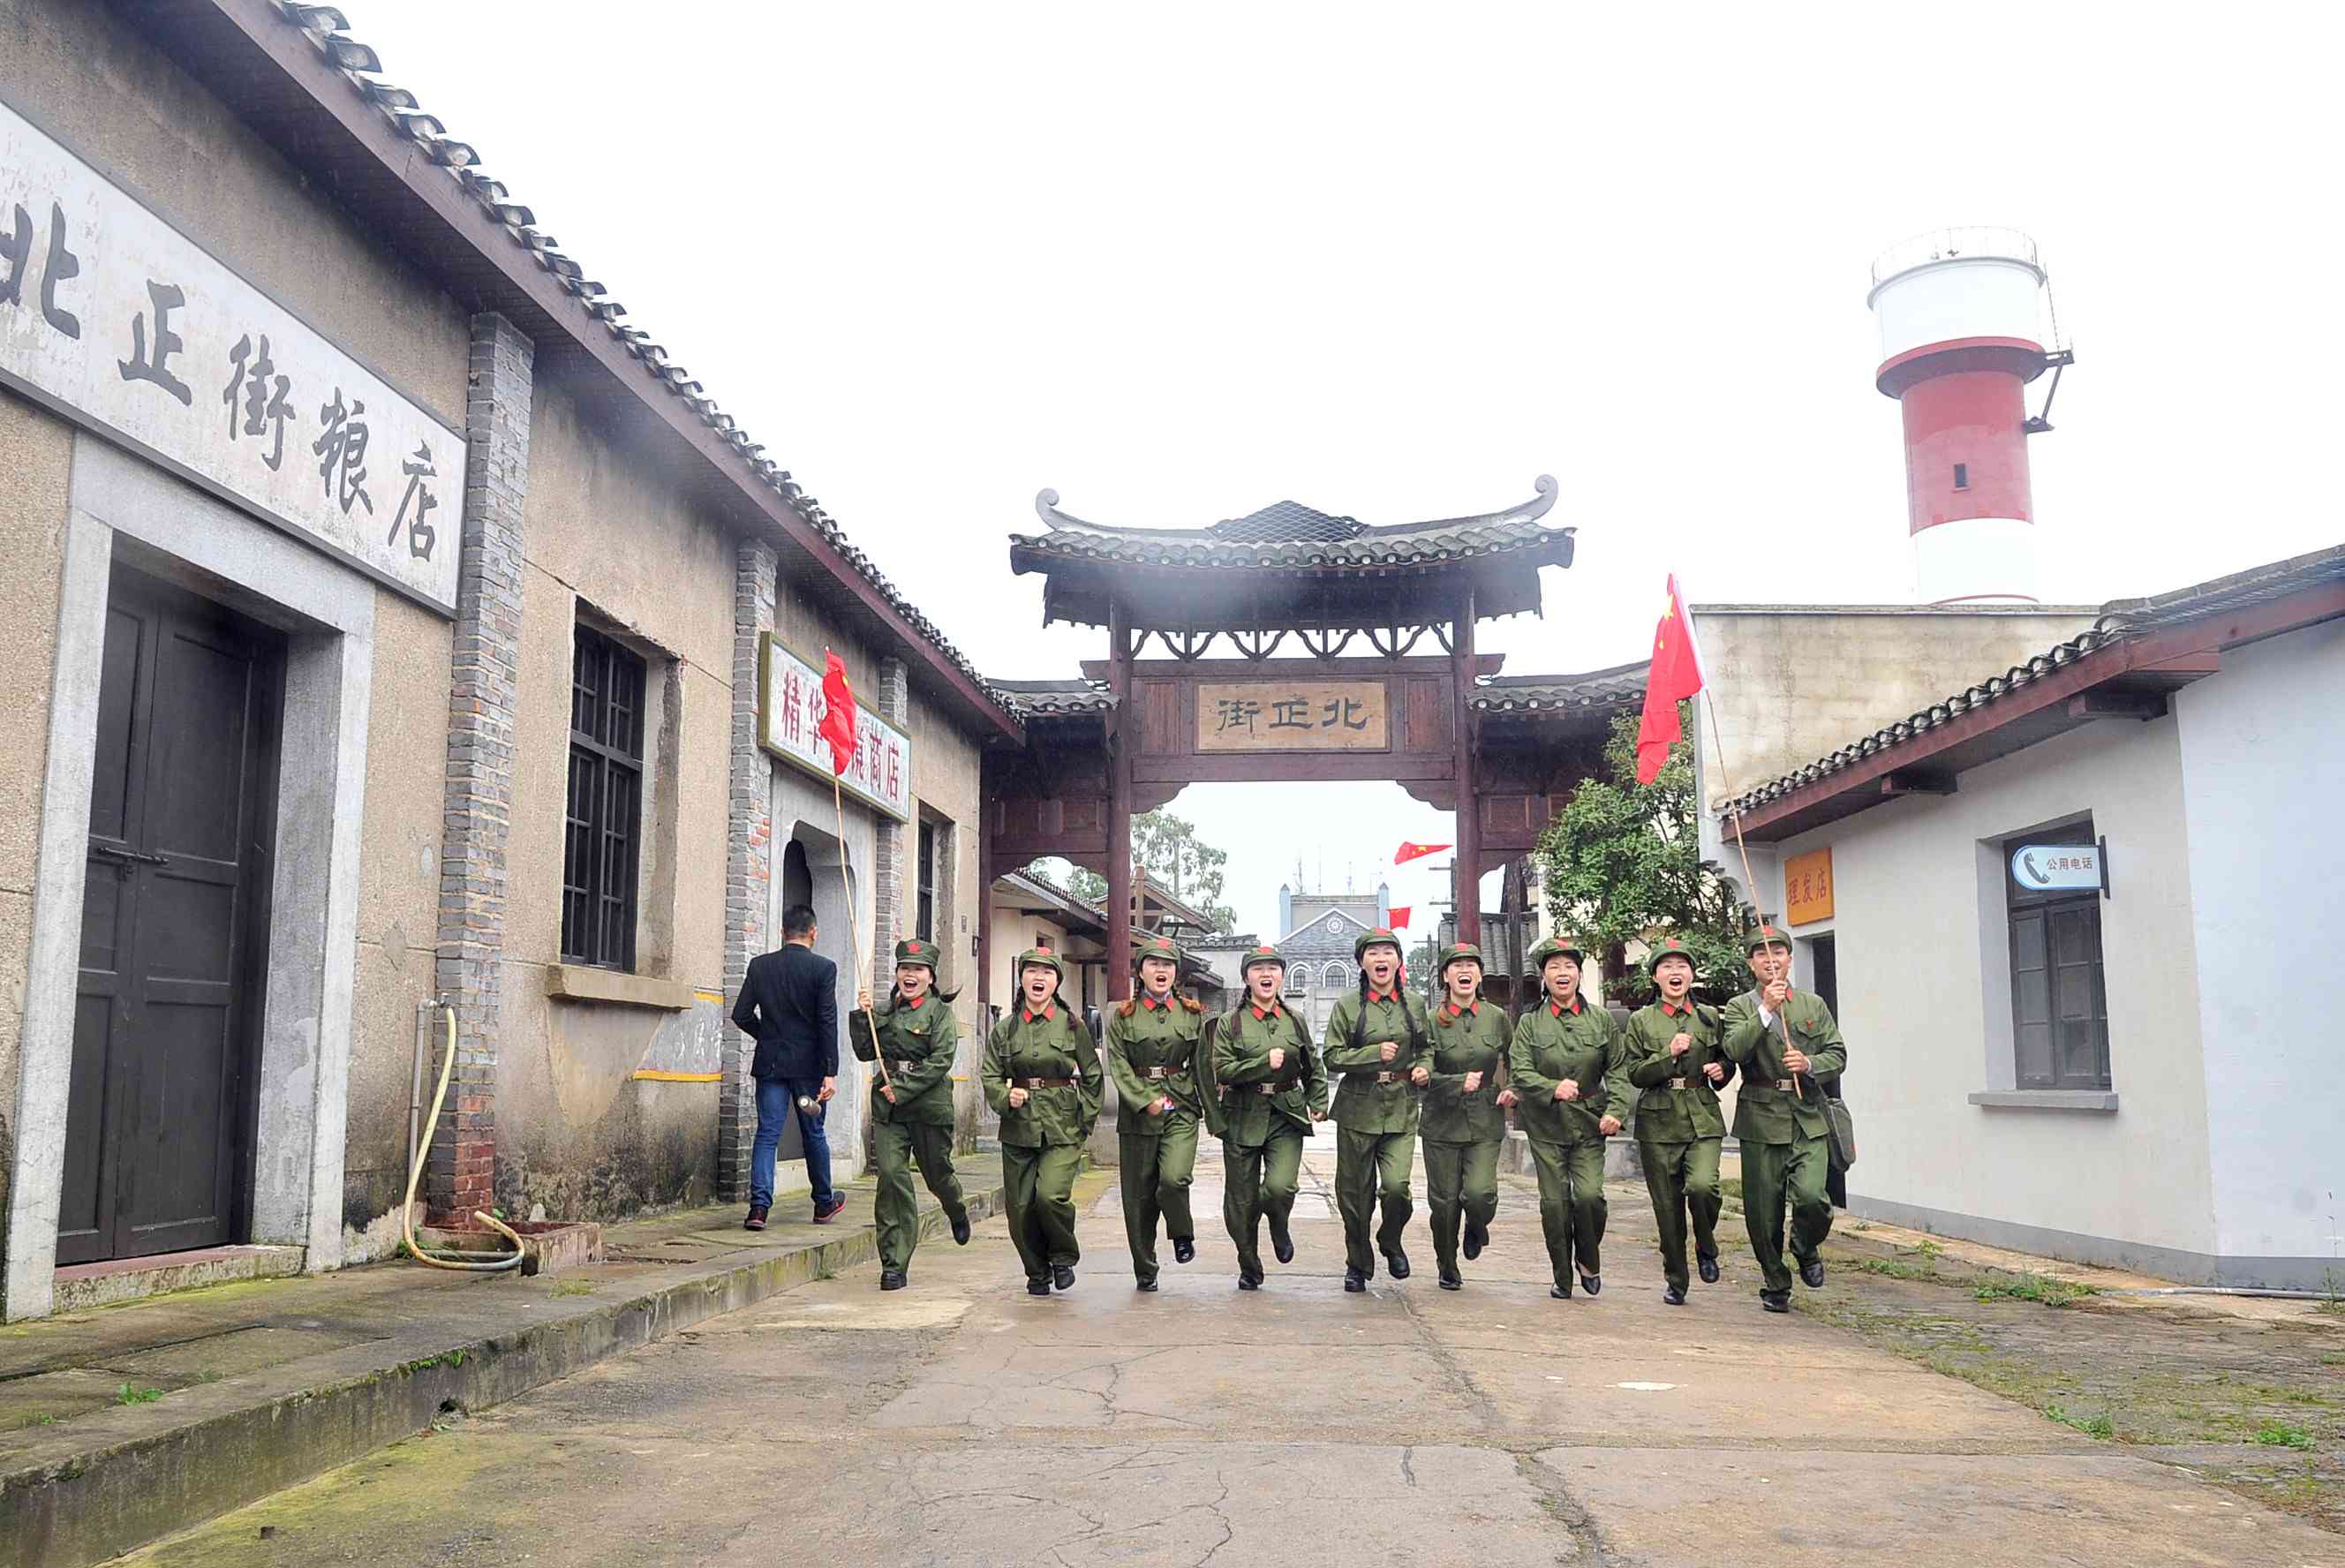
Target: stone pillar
1467	862
478	783
892	841
748	859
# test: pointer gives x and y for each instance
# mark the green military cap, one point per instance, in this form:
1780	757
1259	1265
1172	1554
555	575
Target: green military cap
1767	936
1265	953
1670	947
1041	958
1151	946
1457	951
1382	934
912	950
1555	947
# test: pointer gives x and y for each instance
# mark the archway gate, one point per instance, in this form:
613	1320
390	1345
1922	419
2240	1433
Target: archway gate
1318	677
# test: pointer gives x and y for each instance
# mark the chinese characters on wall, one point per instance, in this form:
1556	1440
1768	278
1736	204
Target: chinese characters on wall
1292	716
1808	888
111	315
789	707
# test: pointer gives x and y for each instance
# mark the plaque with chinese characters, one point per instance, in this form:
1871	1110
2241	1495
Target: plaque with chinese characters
1293	716
789	708
114	318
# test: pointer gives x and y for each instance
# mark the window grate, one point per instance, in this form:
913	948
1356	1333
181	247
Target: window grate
603	811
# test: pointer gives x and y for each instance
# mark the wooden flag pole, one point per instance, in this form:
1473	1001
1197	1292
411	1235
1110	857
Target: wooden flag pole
855	932
1749	882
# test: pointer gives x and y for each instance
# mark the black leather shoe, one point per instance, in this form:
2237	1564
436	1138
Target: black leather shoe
1775	1301
1560	1292
961	1229
1475	1239
1185	1249
1037	1286
1282	1246
1063	1276
1812	1273
1592	1283
1672	1297
1354	1281
1143	1284
892	1278
1397	1263
757	1220
1249	1282
1710	1270
1450	1279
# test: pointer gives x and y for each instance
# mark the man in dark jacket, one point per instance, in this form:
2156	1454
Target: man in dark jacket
789	1003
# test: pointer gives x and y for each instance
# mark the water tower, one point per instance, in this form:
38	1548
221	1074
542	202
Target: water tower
1960	339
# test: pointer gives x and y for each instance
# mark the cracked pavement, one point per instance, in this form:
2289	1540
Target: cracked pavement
962	1422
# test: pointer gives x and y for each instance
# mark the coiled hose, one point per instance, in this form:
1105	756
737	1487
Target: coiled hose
458	1261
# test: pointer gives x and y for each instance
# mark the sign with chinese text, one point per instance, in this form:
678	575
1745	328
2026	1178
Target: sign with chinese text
1808	888
2057	867
113	318
789	706
1292	716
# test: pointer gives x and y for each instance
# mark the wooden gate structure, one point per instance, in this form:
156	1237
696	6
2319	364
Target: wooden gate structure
1353	699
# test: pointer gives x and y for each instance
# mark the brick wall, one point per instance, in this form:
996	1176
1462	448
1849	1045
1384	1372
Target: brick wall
748	860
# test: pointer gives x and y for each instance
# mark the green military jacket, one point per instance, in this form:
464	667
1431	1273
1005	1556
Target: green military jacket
1583	1045
1244	1114
918	1045
1678	1103
1376	1094
1464	1043
1767	1111
1152	1054
1054	1046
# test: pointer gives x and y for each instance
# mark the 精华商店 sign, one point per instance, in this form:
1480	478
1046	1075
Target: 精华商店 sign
2058	867
789	710
120	322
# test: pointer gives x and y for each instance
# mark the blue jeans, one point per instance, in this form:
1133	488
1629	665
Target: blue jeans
777	1099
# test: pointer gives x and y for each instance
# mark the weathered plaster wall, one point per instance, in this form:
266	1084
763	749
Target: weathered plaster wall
945	785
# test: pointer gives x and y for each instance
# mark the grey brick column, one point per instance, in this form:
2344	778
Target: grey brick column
890	914
748	860
479	779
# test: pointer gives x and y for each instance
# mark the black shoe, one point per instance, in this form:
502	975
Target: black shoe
1185	1249
1709	1271
892	1279
1450	1280
1143	1284
1249	1282
961	1229
756	1220
1592	1283
1775	1301
1397	1263
1037	1286
1672	1297
1063	1275
1812	1273
1477	1237
1282	1246
1354	1281
1560	1292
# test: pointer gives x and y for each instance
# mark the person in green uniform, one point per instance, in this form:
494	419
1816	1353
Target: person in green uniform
1568	1063
1042	1079
1267	1088
1378	1040
1784	1040
911	1105
1677	1063
1465	1117
1153	1043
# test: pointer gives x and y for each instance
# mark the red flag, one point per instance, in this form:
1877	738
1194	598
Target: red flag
1675	676
1399	913
1408	852
837	724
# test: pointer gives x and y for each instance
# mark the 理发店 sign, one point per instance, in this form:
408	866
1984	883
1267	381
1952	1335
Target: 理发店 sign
116	320
789	708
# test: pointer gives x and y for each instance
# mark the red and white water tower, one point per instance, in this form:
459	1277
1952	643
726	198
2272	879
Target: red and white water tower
1960	312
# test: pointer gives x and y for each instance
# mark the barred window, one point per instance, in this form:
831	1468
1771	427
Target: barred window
925	921
603	818
2059	995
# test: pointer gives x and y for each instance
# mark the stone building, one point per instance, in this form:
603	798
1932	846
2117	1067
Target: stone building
390	622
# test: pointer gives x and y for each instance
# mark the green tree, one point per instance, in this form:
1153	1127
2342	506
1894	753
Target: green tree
1182	862
1623	864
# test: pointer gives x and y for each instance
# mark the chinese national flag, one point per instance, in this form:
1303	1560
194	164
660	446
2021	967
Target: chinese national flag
837	724
1398	917
1408	852
1675	676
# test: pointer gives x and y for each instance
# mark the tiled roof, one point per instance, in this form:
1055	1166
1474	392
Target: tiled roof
1616	687
1056	699
326	29
1288	536
2120	618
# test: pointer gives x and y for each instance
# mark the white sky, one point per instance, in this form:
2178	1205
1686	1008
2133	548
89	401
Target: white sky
1180	263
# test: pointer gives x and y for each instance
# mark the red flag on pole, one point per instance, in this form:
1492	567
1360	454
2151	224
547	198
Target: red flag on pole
1399	913
1675	676
1408	852
837	724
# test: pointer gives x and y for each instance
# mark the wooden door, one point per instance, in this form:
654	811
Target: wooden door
182	816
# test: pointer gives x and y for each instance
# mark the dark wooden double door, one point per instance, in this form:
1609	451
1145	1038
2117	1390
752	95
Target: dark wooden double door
158	1129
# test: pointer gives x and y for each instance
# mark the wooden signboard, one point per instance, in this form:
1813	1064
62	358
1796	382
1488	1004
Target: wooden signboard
1808	888
1293	716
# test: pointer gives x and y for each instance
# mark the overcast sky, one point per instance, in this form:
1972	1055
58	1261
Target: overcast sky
1397	263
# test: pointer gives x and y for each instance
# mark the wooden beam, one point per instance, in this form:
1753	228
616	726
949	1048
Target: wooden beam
1286	668
1293	768
1915	780
1468	852
1124	738
2116	704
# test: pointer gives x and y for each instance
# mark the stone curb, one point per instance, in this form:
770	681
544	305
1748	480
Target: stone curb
116	1492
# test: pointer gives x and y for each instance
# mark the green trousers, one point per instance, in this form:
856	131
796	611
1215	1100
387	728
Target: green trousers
1155	1170
894	1145
1772	1173
1369	1166
1259	1182
1682	1179
1461	1182
1038	1194
1571	1204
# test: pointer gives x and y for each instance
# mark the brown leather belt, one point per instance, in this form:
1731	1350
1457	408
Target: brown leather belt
1786	1086
1267	1088
1048	1083
1681	1083
1392	1077
898	1065
1160	1072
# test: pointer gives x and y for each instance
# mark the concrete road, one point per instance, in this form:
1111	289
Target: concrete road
962	1422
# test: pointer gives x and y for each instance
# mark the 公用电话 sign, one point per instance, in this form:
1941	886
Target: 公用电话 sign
2058	867
789	708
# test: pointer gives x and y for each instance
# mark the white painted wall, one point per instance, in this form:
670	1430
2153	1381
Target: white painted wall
2262	745
803	809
